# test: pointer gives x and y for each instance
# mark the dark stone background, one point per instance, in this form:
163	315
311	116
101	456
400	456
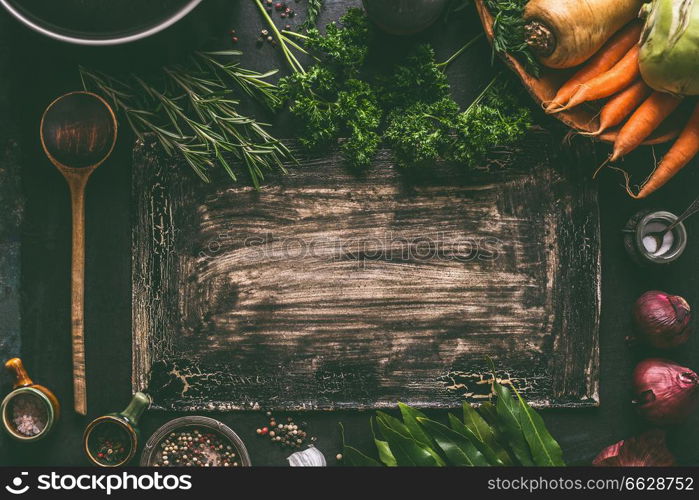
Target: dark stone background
42	69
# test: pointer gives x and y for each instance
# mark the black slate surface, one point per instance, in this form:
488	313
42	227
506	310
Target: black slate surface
42	70
11	212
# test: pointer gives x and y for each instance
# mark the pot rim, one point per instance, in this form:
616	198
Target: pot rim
119	40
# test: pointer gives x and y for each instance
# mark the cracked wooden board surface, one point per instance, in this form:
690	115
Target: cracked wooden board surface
330	290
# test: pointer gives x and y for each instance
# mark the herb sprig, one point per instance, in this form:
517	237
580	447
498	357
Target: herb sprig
312	12
409	105
192	110
508	32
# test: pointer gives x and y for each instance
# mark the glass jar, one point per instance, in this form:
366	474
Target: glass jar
643	249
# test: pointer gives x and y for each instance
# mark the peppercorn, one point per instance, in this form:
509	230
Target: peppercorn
180	450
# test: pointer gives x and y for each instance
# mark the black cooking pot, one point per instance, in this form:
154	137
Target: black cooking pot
120	34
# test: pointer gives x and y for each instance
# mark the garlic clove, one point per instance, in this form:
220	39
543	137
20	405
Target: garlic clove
310	457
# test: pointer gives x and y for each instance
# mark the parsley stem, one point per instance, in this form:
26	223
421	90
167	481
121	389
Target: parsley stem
290	58
460	51
483	93
293	33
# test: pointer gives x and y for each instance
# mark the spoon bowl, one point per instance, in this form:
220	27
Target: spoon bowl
78	130
78	133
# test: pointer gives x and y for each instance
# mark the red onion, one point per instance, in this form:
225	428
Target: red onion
647	450
662	320
666	393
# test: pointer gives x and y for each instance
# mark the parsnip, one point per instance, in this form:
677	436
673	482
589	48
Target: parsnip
565	33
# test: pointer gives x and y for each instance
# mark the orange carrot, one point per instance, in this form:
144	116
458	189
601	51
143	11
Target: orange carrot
643	122
620	106
610	54
680	154
623	74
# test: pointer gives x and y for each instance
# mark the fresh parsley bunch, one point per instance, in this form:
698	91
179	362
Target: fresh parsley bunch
425	124
408	105
329	99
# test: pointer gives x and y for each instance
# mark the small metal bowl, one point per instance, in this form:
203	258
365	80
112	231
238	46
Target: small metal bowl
152	446
404	17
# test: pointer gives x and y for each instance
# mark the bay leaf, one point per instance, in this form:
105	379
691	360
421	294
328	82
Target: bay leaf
488	449
385	454
458	449
352	456
406	450
545	450
509	415
410	416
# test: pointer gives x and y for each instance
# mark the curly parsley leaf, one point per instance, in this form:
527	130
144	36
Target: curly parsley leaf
408	104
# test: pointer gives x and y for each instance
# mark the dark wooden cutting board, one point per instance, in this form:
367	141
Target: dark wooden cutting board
329	289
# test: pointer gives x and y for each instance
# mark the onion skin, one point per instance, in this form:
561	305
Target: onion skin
647	450
663	321
566	33
665	392
607	453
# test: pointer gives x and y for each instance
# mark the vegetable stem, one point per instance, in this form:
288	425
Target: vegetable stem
460	51
291	59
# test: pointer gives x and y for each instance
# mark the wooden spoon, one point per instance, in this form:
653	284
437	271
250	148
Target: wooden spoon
78	133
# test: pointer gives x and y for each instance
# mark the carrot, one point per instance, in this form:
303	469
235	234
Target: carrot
622	74
620	106
643	122
604	60
680	154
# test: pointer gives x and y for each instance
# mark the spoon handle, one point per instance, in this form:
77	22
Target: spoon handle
691	210
77	191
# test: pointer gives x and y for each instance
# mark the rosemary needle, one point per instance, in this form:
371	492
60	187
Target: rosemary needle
192	110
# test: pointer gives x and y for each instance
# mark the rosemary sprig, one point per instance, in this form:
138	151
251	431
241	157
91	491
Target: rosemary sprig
192	110
508	32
